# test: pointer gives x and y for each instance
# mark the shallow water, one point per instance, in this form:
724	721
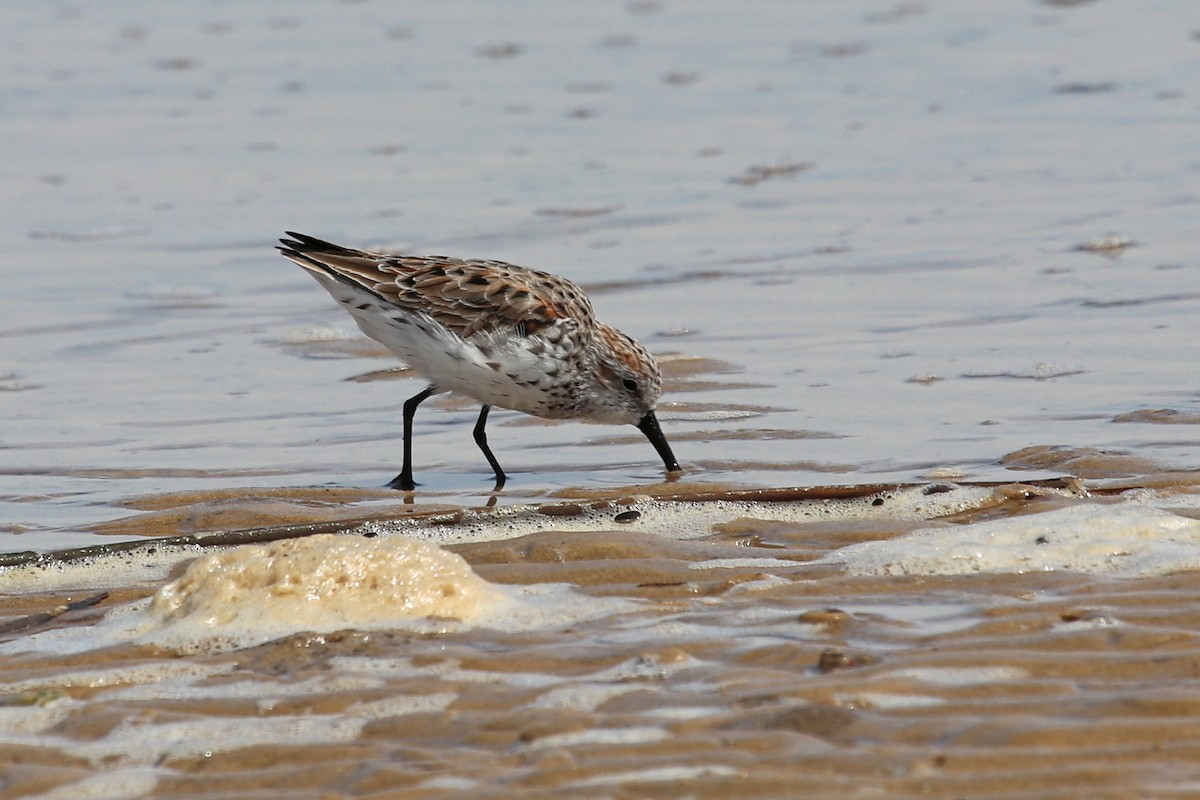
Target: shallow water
868	242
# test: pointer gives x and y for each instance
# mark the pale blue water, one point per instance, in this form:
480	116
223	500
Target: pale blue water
946	161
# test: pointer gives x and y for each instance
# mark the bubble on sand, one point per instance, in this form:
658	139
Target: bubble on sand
319	583
1121	540
248	595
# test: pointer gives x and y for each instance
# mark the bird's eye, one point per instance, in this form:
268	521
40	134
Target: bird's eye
630	385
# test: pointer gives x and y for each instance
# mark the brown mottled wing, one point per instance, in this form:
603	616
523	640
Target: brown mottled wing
465	296
468	297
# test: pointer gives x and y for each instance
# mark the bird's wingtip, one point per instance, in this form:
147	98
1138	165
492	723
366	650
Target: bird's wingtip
303	240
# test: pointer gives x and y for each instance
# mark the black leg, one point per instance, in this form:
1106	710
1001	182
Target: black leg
404	480
481	440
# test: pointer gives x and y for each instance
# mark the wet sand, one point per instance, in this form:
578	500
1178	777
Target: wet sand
737	662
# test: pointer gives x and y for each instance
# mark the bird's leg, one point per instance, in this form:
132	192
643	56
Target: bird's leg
481	440
404	480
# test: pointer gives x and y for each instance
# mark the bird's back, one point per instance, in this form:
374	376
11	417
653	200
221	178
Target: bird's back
465	296
505	335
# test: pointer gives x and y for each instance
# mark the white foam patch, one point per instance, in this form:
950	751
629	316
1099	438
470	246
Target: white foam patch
19	722
450	783
658	775
252	594
1167	499
1121	540
764	584
643	669
319	583
888	701
962	676
140	742
449	671
740	629
683	713
153	560
687	519
644	734
267	693
551	605
745	563
110	570
921	618
641	673
583	696
110	677
126	784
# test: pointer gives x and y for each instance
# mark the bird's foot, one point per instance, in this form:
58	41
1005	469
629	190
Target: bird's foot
402	482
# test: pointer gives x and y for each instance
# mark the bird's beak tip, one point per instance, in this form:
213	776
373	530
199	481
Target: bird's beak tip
649	426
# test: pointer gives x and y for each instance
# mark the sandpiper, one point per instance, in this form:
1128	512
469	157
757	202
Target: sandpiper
507	336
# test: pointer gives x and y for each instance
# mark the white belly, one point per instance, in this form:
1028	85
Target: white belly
495	371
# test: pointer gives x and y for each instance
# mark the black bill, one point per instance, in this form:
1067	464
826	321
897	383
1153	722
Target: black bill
649	426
